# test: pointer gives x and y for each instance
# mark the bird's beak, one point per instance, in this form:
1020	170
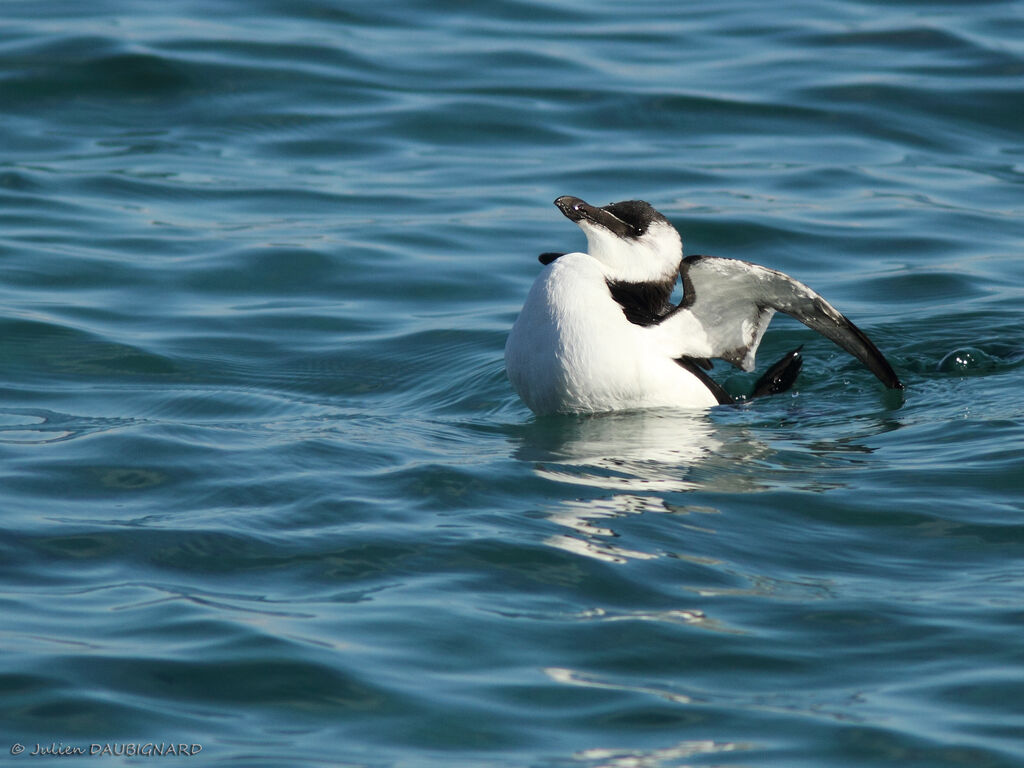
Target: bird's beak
575	209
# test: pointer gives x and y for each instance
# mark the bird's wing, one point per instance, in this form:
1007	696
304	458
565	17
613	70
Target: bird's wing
734	301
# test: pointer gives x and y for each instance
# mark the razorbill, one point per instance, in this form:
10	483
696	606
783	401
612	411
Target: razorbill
598	331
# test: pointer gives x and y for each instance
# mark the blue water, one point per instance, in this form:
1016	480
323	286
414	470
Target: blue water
265	489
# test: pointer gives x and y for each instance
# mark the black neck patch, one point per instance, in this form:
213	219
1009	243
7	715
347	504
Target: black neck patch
643	303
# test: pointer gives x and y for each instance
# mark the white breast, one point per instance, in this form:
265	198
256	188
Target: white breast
573	350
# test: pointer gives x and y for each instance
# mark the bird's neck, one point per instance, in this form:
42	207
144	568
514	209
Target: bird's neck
643	303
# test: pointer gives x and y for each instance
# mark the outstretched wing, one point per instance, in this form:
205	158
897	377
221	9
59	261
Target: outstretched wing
735	300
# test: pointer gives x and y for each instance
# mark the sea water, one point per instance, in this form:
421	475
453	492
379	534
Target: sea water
265	490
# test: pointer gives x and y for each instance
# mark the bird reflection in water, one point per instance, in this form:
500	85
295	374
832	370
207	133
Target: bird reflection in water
638	456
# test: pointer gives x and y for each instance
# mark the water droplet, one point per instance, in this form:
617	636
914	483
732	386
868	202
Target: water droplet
966	359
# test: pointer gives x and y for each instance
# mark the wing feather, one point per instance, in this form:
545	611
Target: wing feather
735	300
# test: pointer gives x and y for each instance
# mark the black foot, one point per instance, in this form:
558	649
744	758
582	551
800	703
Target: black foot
780	376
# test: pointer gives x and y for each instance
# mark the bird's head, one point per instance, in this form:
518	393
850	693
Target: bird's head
633	242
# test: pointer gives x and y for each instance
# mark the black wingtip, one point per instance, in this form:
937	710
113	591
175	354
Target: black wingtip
547	258
781	376
870	355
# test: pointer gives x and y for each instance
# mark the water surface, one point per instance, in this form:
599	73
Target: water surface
264	485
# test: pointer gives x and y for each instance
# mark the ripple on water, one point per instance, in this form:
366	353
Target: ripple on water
262	471
38	426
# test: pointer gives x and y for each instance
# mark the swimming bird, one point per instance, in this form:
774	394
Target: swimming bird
598	331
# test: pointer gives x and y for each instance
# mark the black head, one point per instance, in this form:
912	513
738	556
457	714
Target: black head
626	219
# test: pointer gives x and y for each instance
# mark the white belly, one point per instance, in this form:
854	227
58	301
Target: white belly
572	350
